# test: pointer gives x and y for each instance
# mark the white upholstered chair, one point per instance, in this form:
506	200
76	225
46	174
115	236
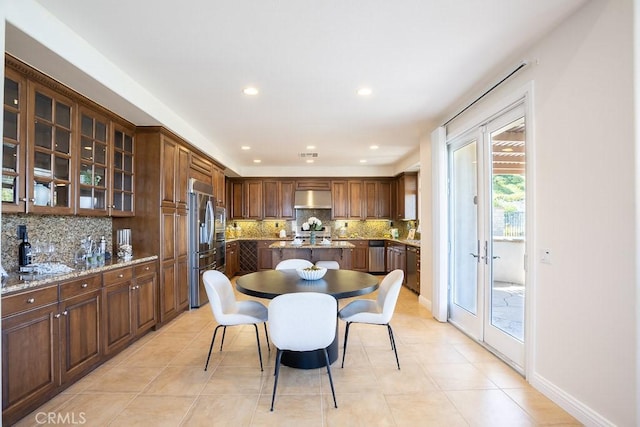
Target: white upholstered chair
229	312
302	321
331	265
376	312
293	263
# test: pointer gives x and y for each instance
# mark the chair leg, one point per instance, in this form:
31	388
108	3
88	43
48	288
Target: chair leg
326	358
393	344
344	348
259	351
215	331
277	373
267	335
224	332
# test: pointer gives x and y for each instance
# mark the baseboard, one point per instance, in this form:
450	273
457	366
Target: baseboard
424	302
580	411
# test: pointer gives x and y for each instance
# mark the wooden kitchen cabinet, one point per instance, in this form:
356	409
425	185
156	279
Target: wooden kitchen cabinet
278	199
93	169
246	199
407	196
175	177
396	257
232	265
14	143
145	301
30	357
265	261
360	255
339	200
377	199
219	186
123	172
200	168
182	259
356	199
118	308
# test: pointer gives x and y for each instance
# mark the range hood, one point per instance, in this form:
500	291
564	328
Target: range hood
312	199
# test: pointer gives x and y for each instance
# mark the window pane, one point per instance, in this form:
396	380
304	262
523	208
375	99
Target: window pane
99	200
117	181
117	160
9	188
128	144
44	107
128	183
128	163
86	152
42	194
117	139
127	203
61	169
42	165
99	174
10	158
10	125
61	195
63	115
86	199
117	200
101	131
42	135
11	91
87	126
100	153
63	141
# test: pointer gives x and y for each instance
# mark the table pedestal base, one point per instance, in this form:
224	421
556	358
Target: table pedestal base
310	359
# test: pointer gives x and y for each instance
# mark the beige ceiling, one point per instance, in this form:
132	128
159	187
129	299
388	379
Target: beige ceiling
421	58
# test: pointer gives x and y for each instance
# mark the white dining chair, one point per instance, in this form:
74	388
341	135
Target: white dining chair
302	321
375	312
227	311
293	263
331	265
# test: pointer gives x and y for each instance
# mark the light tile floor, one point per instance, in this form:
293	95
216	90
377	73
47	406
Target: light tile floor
446	379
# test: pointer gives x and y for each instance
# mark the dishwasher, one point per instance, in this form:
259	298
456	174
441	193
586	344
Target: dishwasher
412	269
376	256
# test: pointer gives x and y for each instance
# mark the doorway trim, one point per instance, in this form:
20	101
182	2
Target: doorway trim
440	208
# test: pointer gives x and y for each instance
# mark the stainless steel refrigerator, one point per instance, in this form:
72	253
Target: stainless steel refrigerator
206	238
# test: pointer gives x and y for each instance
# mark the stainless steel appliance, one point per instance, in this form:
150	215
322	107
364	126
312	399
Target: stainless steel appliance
206	238
412	269
376	256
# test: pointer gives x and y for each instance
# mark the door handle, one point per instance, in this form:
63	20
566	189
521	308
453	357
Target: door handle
474	255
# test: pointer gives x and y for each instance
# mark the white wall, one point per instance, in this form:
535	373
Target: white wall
583	154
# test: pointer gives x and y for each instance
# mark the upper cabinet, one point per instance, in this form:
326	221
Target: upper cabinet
245	199
123	176
219	186
62	154
361	199
278	199
51	150
377	199
14	143
407	196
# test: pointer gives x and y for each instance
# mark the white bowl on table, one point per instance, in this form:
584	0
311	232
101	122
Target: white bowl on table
311	273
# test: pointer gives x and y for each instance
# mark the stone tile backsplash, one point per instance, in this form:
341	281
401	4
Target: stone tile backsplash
64	232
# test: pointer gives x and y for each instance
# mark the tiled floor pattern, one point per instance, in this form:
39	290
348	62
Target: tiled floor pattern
446	380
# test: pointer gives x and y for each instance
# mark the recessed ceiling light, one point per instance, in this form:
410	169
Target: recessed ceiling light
309	160
245	147
374	147
507	150
250	90
311	147
364	91
257	161
363	161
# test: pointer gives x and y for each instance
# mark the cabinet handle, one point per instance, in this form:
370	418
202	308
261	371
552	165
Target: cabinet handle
24	199
147	268
84	285
120	276
32	200
31	300
64	313
57	316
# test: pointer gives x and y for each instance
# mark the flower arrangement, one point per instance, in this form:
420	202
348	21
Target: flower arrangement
313	224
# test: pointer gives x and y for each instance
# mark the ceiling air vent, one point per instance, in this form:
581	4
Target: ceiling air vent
307	155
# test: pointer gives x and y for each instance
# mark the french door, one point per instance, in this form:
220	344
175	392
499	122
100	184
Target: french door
487	206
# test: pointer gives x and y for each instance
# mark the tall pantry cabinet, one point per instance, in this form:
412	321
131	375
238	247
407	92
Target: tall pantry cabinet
162	173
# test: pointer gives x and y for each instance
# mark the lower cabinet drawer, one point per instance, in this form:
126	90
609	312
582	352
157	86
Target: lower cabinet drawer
29	300
80	286
118	275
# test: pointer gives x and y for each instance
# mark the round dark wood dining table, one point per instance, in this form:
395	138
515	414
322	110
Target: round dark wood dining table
337	283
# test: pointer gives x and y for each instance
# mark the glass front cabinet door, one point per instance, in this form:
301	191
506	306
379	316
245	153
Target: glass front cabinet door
14	144
123	174
93	165
50	155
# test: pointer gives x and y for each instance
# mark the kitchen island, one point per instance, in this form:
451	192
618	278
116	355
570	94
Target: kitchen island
333	251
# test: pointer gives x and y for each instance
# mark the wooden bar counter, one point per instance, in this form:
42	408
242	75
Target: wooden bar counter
335	251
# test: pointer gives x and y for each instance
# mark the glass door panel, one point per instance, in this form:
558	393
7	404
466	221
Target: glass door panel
13	144
93	162
122	188
464	307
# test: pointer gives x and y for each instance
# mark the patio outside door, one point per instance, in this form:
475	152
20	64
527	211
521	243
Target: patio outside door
487	222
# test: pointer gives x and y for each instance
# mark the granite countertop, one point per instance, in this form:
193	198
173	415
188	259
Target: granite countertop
287	244
288	240
21	281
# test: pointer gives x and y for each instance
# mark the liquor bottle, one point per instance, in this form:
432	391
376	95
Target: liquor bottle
24	251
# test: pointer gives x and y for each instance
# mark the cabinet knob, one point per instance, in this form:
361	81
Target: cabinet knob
64	313
120	276
32	200
57	316
24	199
31	300
147	268
84	285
